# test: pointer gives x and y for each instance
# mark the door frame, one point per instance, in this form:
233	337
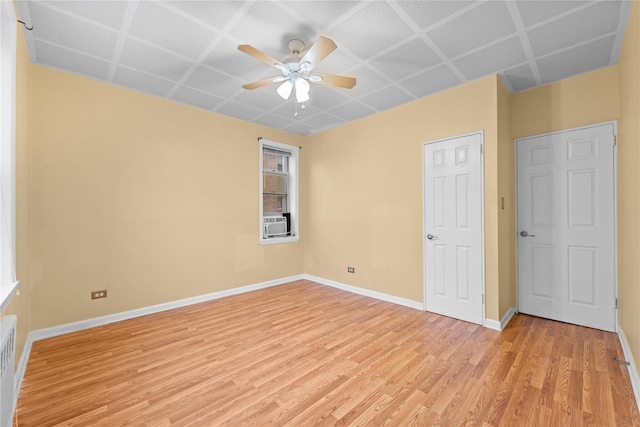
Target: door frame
614	123
424	220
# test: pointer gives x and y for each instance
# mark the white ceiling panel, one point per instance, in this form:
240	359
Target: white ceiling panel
264	99
273	120
288	109
142	81
178	34
324	98
65	59
321	14
226	57
484	24
216	13
386	98
407	59
153	60
586	24
376	27
351	111
196	98
397	50
300	128
268	28
426	14
536	11
486	61
109	13
367	81
323	121
338	63
431	81
210	81
239	111
66	31
587	56
520	78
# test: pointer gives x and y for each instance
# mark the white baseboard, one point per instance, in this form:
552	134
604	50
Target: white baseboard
40	334
492	324
366	292
499	326
125	315
632	367
22	367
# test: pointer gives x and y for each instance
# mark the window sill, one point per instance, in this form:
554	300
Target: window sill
6	294
276	240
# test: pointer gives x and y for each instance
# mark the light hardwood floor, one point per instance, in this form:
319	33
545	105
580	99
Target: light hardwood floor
303	354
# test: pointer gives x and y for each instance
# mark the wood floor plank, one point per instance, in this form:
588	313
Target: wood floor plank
303	354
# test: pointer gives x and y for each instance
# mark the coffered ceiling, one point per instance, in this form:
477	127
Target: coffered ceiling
398	51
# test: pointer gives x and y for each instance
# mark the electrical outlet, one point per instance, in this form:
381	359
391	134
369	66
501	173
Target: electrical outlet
99	294
351	270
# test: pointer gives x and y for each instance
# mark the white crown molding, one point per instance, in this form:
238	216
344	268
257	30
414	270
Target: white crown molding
125	315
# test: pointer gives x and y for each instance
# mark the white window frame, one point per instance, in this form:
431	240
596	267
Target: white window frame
292	192
8	40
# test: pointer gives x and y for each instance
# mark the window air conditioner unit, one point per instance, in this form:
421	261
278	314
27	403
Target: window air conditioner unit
275	226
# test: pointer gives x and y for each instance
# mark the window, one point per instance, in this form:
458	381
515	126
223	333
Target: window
278	192
8	32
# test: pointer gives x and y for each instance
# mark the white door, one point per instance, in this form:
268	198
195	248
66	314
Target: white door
566	253
454	283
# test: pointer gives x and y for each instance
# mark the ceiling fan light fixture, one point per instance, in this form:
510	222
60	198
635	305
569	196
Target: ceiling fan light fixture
284	90
302	90
296	69
305	67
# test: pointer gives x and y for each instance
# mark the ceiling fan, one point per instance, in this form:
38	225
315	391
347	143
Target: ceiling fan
297	68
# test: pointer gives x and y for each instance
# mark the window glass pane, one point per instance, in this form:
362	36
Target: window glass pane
275	183
273	203
274	162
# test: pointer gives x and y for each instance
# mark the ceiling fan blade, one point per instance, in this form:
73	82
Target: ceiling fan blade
258	54
333	80
264	82
320	50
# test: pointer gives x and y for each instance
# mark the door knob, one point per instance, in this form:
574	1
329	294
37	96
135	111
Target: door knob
432	237
523	233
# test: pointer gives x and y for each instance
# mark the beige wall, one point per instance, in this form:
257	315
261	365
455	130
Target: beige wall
578	101
20	305
629	184
506	204
153	200
365	191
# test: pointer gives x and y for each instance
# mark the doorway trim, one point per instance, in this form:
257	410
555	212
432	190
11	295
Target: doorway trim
482	221
614	123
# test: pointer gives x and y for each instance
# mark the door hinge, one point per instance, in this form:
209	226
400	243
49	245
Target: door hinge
615	303
615	140
481	148
482	299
